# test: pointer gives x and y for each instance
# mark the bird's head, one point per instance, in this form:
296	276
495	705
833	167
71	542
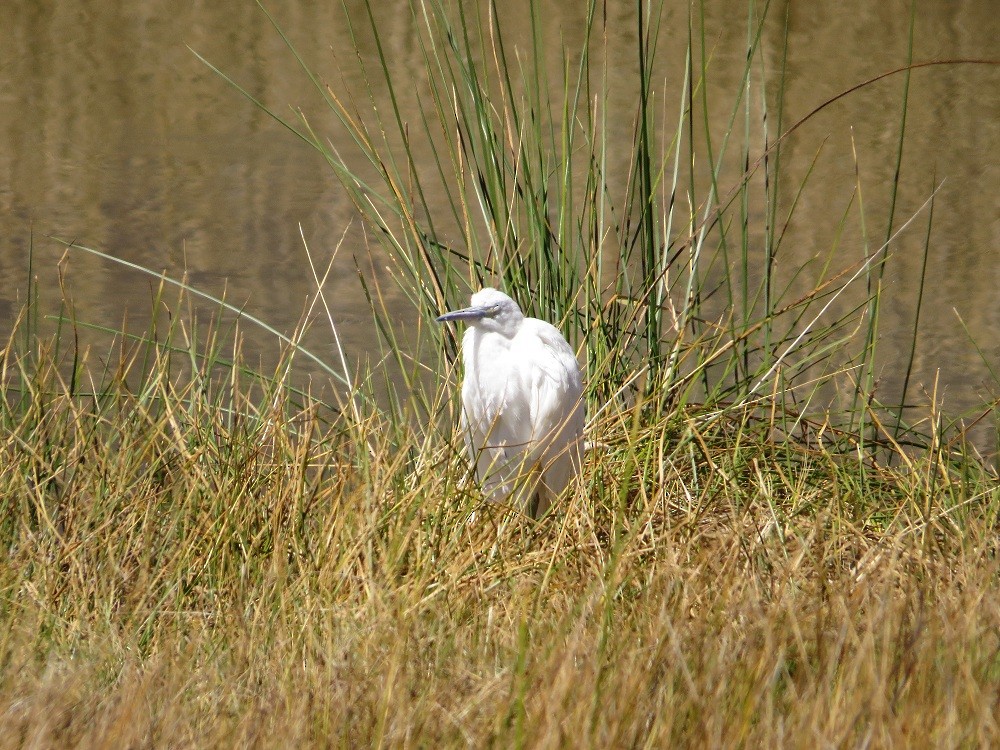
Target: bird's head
490	310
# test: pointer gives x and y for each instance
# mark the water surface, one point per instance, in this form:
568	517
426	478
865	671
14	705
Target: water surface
114	134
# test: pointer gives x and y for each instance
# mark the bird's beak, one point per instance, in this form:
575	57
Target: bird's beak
468	313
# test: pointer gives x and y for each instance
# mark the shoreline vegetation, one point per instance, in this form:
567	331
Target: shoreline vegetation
760	551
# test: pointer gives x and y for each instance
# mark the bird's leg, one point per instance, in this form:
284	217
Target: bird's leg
534	506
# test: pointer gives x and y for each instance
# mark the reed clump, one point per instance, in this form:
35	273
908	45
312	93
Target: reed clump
208	560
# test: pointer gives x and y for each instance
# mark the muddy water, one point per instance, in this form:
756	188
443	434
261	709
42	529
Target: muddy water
113	133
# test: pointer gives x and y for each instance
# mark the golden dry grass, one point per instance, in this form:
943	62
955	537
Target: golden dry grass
175	575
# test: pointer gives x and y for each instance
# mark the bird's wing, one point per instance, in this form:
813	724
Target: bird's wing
550	378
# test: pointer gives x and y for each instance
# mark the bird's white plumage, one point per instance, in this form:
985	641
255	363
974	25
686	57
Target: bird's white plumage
522	402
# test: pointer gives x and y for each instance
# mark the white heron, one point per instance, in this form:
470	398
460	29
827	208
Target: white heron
522	402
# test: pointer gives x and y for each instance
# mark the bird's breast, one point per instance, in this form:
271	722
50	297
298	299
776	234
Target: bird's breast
489	370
